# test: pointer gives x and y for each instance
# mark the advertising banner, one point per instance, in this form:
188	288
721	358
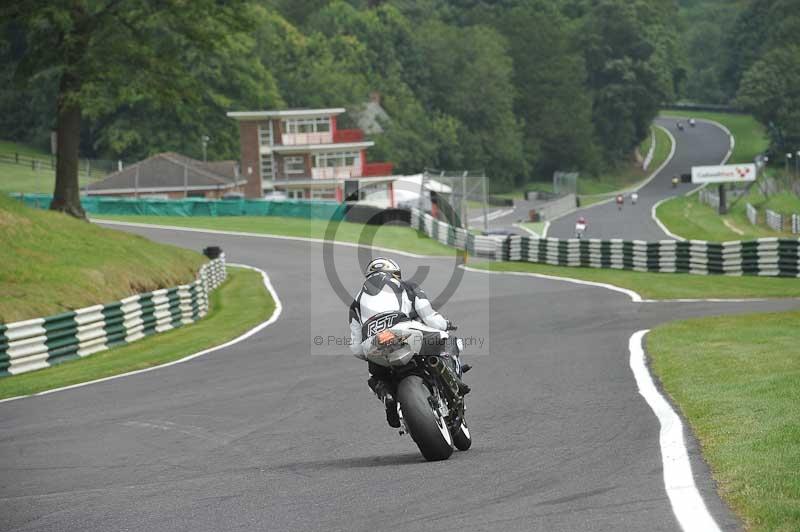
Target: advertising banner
729	173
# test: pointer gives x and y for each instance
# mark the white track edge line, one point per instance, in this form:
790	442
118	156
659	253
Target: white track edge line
687	503
103	221
635	297
272	319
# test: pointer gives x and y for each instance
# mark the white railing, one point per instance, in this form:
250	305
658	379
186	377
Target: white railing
752	214
294	139
775	220
335	172
709	198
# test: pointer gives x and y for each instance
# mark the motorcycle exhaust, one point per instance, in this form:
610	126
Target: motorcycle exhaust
452	386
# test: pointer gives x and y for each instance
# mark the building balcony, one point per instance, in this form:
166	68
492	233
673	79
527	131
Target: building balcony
335	172
377	169
348	135
304	139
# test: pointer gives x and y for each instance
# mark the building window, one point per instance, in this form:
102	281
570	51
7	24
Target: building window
349	158
307	125
323	193
295	193
266	166
265	134
294	165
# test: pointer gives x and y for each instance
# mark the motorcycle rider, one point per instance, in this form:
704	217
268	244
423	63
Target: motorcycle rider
580	227
384	291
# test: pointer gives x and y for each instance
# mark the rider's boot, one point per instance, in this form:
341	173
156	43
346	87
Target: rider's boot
384	392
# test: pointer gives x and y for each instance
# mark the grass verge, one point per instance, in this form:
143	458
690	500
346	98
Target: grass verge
686	216
663	285
751	137
52	262
735	379
388	236
239	304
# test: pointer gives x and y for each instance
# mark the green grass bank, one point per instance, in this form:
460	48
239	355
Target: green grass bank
23	177
53	263
736	381
663	285
388	236
687	217
237	305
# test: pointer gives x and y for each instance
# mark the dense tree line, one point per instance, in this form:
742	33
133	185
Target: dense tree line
746	53
516	87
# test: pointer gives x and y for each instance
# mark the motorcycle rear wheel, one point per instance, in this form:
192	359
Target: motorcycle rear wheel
427	427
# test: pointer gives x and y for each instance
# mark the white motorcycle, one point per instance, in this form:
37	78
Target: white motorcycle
429	390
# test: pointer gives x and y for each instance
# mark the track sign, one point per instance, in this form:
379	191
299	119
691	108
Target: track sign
729	173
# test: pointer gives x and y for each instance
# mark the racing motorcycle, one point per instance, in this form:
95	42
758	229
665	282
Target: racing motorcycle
429	390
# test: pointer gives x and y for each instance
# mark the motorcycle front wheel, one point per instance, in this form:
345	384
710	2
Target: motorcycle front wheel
462	438
427	427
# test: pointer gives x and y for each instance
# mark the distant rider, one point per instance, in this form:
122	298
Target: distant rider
384	291
620	201
634	198
580	227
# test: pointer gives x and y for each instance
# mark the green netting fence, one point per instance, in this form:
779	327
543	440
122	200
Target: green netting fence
95	205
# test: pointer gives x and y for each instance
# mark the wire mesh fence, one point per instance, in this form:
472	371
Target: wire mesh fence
459	196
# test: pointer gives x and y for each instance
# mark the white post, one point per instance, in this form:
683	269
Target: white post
136	183
485	216
185	181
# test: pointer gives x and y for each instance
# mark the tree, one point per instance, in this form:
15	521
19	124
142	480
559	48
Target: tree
470	79
770	89
110	52
552	99
627	76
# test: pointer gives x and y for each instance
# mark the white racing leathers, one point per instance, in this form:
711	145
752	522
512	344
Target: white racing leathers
383	294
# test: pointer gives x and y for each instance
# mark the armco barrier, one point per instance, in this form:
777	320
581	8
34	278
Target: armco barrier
96	205
42	342
776	257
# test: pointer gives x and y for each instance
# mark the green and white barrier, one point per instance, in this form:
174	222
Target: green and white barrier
42	342
776	257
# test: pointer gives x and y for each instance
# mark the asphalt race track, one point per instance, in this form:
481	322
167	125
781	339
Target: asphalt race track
705	144
276	433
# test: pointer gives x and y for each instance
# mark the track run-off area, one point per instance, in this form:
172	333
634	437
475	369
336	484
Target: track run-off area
277	430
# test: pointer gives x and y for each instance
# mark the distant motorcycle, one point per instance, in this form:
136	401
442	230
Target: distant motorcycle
680	126
430	398
691	122
580	228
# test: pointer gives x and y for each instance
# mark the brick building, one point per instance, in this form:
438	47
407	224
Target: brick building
303	153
